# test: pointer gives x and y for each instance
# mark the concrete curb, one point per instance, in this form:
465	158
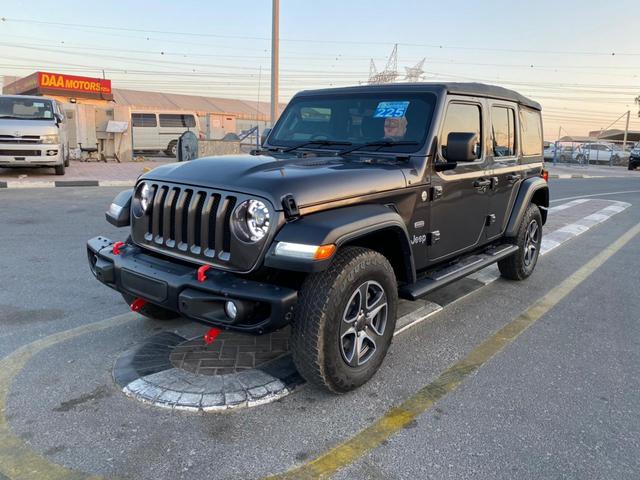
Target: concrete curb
67	183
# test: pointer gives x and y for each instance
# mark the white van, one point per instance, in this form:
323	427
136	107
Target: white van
32	133
159	131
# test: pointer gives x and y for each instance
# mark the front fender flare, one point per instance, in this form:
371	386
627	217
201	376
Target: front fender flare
340	226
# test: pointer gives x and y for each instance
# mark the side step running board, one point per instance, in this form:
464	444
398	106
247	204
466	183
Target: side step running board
465	266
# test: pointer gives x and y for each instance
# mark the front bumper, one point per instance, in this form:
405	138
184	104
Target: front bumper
30	155
174	286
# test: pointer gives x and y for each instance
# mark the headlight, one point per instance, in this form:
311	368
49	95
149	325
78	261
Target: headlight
251	221
142	199
50	139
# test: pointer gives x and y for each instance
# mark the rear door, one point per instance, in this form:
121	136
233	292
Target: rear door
506	175
460	196
172	125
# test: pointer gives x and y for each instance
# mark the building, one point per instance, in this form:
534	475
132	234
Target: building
90	103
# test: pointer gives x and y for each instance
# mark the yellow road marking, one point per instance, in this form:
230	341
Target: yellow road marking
395	419
17	461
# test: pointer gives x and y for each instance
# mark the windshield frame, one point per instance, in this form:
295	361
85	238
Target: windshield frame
13	116
430	98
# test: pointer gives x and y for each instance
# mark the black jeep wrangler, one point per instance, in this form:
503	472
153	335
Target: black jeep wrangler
357	196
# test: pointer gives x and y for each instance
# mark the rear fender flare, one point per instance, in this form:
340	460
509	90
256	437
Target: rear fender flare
532	188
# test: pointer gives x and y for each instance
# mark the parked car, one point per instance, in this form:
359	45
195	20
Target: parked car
549	152
358	196
33	133
599	153
634	157
159	131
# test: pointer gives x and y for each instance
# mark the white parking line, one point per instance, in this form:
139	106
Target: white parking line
593	195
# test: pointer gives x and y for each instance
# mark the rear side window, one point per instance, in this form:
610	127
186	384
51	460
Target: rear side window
503	121
143	119
531	131
176	120
462	117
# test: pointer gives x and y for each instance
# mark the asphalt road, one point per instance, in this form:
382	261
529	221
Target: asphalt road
560	401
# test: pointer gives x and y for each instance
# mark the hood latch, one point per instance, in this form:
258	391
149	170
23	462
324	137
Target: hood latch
291	211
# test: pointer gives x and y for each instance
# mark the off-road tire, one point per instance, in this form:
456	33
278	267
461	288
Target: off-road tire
322	302
59	169
152	311
515	267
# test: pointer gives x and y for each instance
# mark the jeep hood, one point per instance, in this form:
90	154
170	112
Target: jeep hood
311	180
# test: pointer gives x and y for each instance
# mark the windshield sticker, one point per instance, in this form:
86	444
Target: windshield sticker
391	109
38	104
47	114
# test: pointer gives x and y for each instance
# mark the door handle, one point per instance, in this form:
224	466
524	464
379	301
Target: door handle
514	178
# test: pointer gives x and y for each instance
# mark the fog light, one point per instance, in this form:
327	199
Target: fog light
231	309
51	153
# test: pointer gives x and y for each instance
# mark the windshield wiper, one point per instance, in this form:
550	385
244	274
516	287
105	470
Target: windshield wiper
315	142
379	143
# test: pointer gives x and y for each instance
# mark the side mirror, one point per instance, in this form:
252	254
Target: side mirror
265	134
461	147
58	118
118	213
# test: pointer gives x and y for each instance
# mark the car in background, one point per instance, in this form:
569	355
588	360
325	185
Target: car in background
160	131
634	157
32	133
549	151
599	153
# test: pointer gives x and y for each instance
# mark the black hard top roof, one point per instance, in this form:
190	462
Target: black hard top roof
471	89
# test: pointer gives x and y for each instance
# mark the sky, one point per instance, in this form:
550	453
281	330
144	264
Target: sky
579	59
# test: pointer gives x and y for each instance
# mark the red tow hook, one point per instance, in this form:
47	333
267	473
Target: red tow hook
117	246
201	275
211	335
137	304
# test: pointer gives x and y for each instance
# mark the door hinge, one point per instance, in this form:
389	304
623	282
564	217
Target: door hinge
436	192
291	211
434	237
491	219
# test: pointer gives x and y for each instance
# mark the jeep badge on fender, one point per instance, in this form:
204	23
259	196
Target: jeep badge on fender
313	228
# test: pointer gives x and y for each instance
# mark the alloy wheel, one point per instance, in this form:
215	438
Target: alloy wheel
363	323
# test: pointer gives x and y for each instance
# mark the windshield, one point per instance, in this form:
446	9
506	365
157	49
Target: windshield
356	120
26	108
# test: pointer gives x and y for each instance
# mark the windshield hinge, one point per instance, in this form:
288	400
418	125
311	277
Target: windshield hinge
291	211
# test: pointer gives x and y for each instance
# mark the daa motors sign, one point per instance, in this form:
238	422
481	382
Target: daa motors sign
45	83
57	83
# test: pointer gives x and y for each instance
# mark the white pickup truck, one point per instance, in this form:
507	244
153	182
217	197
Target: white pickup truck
32	133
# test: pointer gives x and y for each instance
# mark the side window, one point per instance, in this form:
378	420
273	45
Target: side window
503	121
531	132
462	117
177	120
143	120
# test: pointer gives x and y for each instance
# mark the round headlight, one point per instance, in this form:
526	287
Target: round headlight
251	220
142	199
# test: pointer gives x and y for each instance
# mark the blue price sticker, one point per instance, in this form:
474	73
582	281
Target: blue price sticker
391	109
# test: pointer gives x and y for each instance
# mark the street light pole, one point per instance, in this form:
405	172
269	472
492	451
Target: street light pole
275	34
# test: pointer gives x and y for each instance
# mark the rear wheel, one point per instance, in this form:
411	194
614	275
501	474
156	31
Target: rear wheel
345	319
172	149
152	311
529	238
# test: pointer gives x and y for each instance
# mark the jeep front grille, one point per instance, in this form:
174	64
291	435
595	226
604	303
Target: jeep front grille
190	220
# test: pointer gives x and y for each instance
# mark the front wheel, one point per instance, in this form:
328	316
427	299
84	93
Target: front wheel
529	239
59	169
344	320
